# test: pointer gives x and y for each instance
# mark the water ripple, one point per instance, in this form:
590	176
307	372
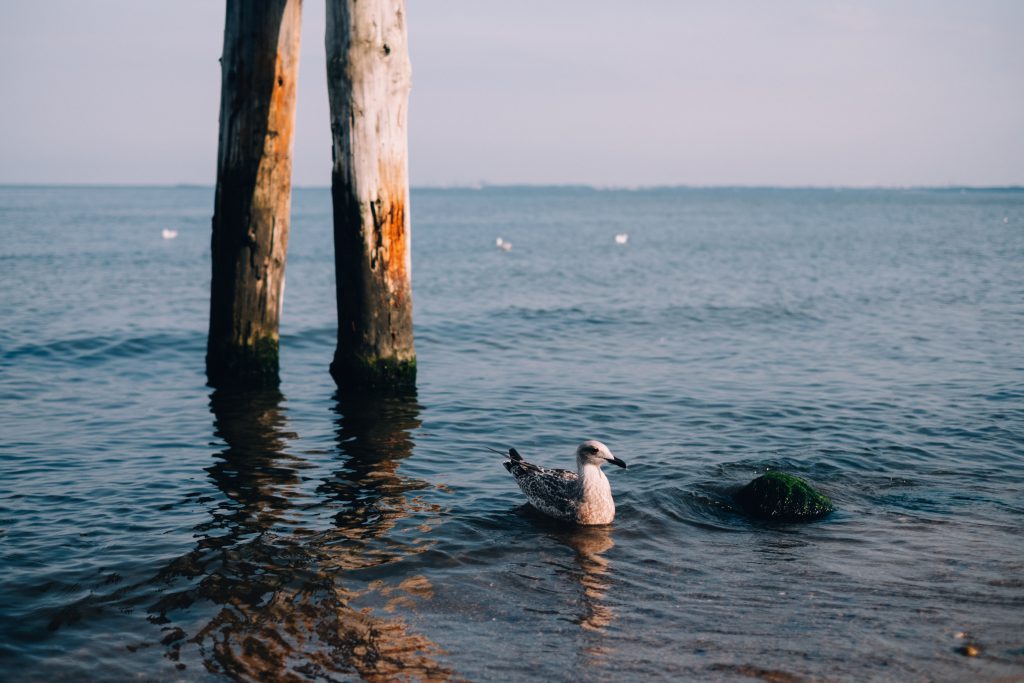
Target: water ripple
864	341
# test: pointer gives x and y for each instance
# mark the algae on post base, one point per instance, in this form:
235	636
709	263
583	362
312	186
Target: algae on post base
253	365
781	497
389	375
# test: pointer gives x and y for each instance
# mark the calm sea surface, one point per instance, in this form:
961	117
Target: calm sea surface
871	342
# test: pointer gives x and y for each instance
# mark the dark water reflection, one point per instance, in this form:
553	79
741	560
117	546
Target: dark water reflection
262	596
373	434
254	472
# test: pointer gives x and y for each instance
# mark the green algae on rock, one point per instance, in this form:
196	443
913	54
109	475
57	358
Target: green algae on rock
781	497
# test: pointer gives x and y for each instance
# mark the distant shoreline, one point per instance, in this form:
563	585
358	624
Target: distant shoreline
565	186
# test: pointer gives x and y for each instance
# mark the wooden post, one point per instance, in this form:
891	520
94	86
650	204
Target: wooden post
368	82
259	68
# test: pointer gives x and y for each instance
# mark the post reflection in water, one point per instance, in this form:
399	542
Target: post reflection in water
254	471
262	595
374	433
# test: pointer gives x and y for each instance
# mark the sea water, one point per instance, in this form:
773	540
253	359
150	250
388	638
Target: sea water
869	341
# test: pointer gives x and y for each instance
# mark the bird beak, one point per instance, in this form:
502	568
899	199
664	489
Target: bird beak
616	461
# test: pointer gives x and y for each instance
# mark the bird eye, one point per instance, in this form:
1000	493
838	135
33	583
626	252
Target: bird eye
592	449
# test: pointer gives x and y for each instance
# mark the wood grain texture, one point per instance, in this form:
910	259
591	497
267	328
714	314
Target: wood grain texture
369	78
253	199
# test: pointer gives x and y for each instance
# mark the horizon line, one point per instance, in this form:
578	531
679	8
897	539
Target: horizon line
568	186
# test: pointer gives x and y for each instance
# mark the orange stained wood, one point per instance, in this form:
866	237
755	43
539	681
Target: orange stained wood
390	221
281	119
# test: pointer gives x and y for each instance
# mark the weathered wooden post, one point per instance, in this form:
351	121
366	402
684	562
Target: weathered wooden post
259	68
368	82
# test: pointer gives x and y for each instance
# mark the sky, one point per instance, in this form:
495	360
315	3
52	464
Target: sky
598	92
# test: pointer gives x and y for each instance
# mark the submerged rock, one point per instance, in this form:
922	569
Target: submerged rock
781	497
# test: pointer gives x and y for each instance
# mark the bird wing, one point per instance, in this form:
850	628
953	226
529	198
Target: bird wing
554	492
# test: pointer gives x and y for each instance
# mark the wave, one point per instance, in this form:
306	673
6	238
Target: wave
102	348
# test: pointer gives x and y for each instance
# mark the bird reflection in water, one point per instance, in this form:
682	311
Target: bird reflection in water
263	593
590	544
590	567
591	570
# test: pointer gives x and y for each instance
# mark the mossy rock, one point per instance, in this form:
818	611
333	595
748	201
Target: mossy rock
781	497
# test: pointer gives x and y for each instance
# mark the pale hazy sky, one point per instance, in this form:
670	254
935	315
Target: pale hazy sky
651	92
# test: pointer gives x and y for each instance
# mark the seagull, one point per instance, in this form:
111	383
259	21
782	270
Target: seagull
581	497
622	238
503	245
169	234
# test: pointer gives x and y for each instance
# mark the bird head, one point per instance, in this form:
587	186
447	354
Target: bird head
595	453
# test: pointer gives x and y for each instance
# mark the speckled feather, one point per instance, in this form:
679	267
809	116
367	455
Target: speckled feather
554	492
